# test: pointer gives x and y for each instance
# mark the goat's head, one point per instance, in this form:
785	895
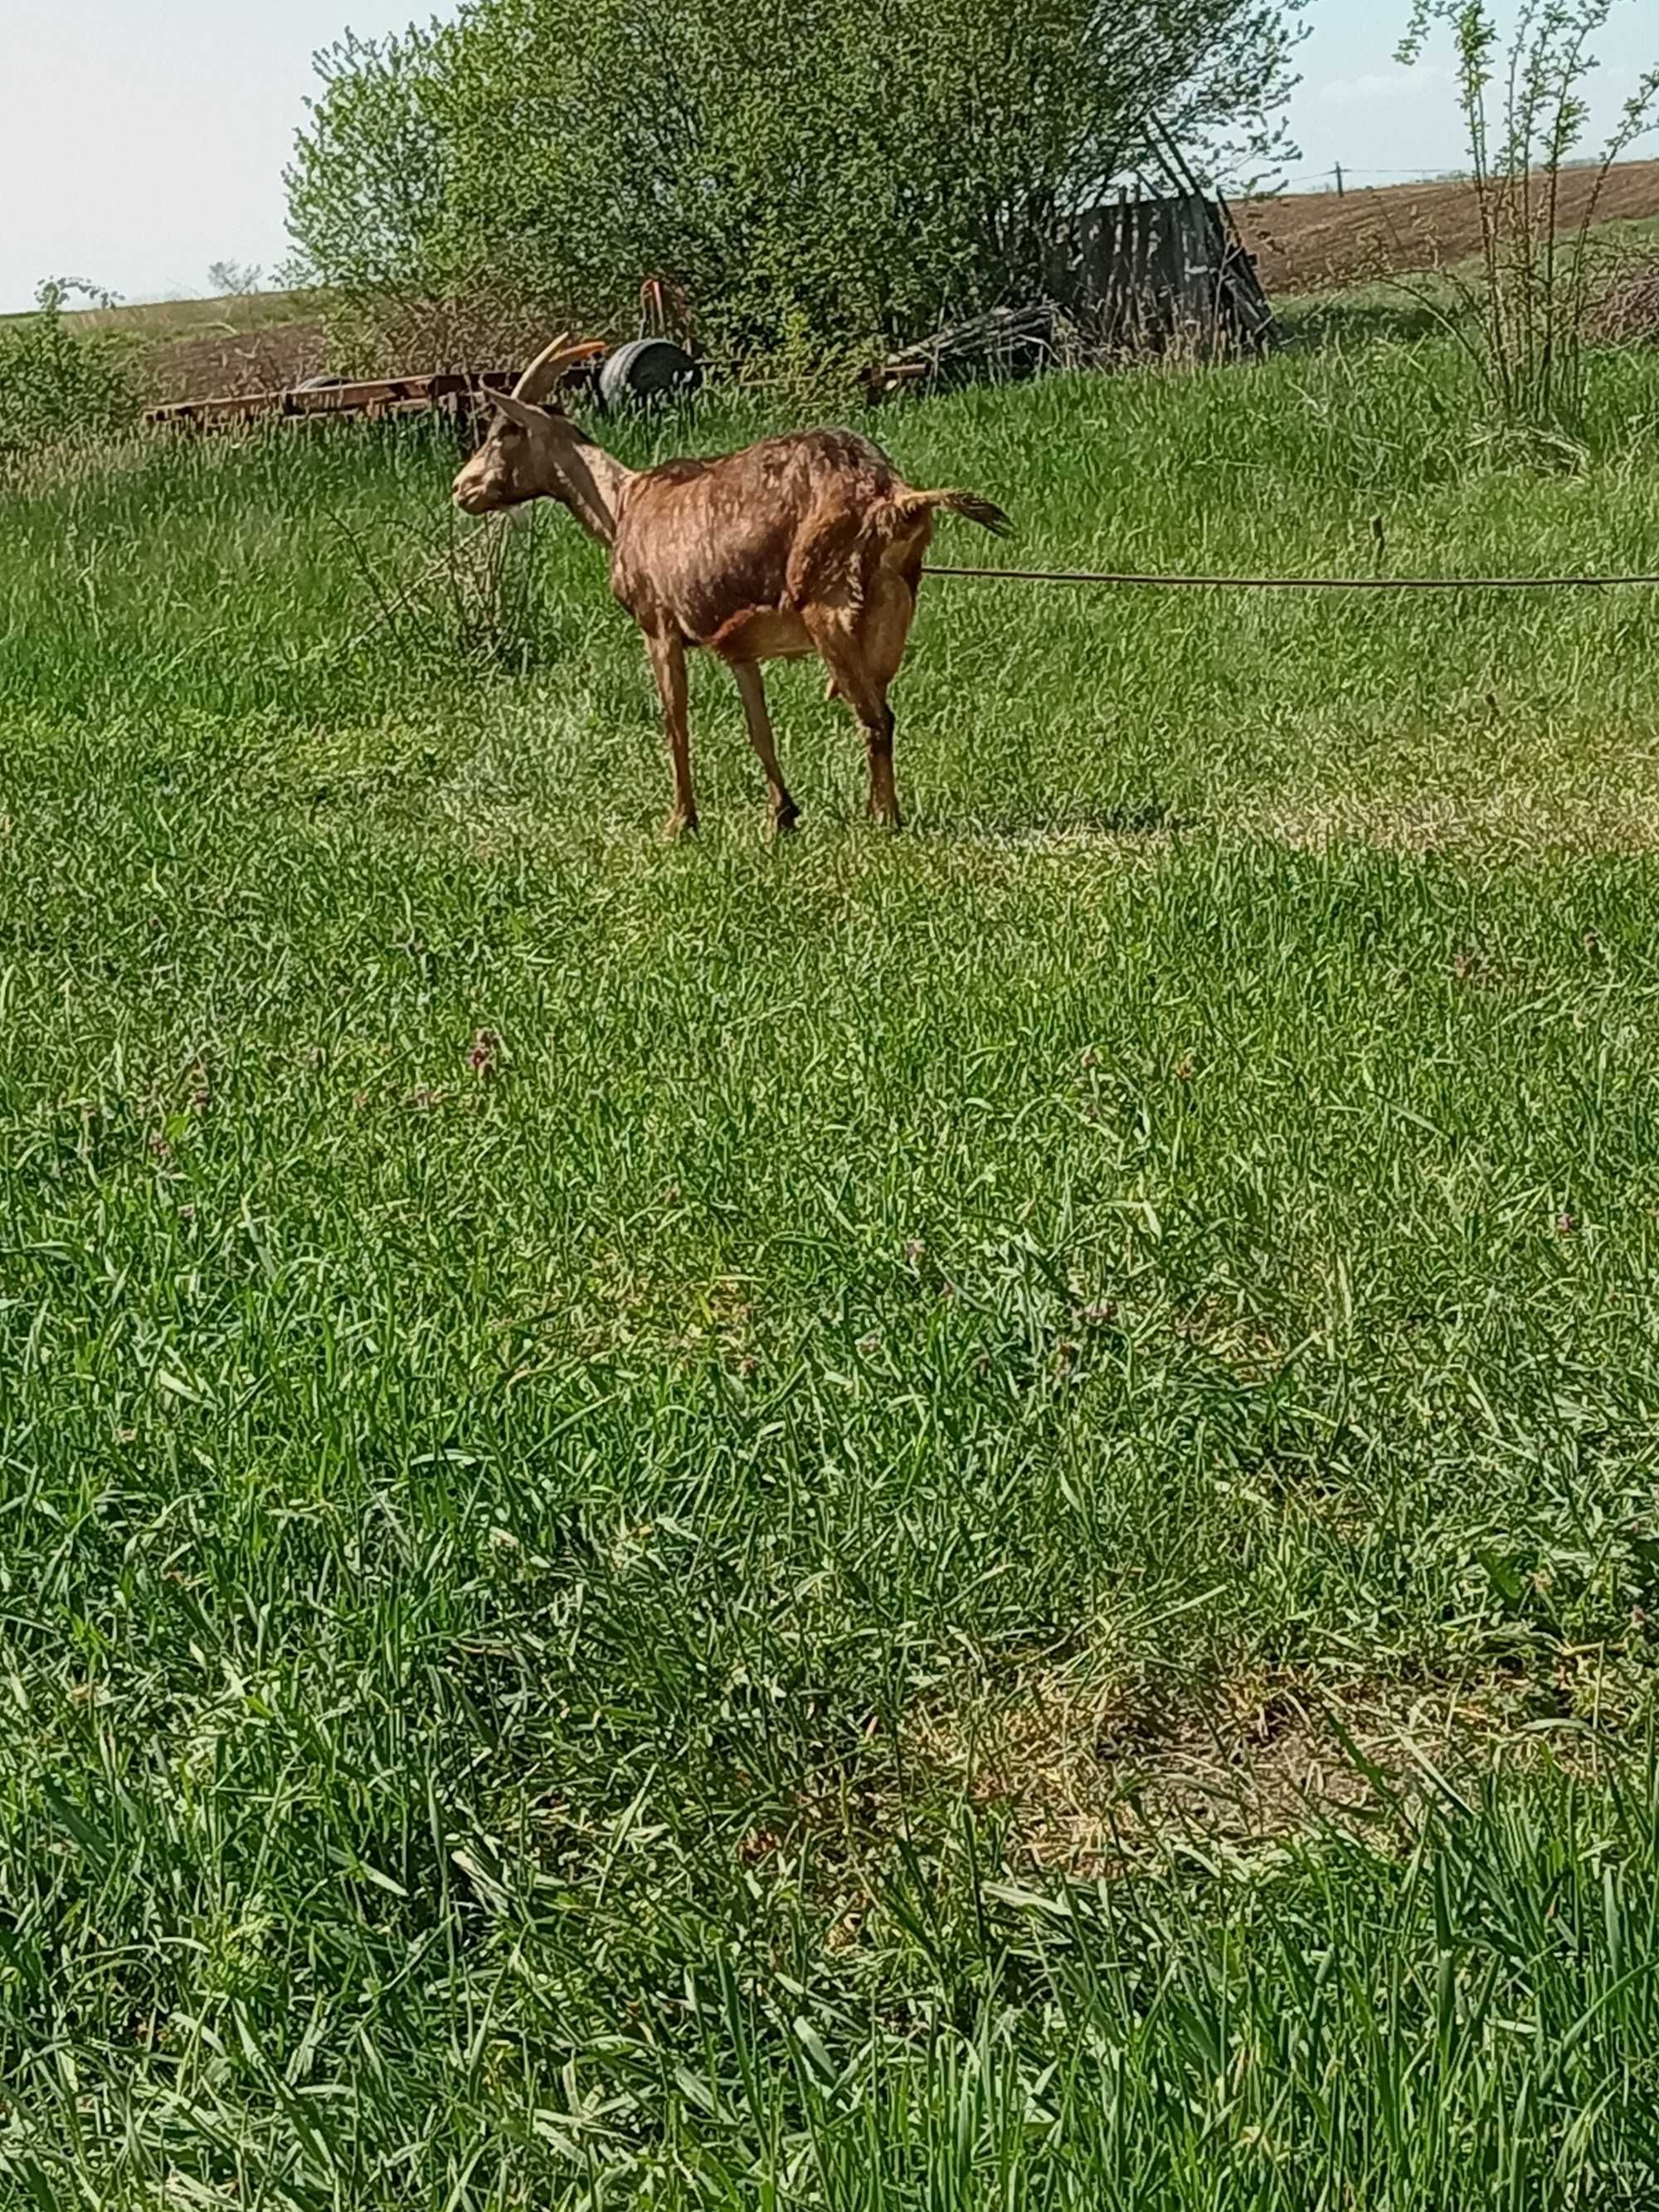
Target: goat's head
522	457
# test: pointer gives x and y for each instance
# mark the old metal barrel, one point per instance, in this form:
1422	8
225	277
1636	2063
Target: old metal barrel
647	369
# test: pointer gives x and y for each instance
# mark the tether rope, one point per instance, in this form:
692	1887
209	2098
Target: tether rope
1127	580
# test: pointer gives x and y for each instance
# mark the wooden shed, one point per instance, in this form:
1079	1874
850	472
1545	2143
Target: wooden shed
1141	276
1129	277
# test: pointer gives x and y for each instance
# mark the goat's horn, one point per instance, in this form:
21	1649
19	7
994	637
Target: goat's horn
549	364
533	382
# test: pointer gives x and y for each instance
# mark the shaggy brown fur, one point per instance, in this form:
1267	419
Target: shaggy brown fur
810	543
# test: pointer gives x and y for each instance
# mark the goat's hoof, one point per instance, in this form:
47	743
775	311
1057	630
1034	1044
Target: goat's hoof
679	826
785	817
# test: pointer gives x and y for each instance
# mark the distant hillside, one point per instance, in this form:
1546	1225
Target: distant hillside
1303	243
251	342
1315	241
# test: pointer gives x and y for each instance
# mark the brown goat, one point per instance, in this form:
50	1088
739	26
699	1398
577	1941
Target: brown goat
807	544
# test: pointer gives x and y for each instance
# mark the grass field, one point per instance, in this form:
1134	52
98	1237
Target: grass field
957	1520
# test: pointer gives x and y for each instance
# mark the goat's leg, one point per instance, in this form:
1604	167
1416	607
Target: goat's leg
861	678
877	726
752	690
668	665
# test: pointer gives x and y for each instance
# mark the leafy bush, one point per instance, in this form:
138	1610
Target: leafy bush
58	382
1530	312
857	173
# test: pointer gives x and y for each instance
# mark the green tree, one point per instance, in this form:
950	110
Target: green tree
797	165
367	186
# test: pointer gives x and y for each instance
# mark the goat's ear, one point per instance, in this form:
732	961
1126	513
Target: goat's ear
517	410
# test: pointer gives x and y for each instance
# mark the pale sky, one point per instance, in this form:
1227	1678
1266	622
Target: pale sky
141	139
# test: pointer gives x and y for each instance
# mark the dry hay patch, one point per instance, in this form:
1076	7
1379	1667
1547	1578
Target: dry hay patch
1092	1777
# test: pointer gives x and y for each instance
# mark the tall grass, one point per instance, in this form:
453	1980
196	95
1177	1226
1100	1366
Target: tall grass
637	1479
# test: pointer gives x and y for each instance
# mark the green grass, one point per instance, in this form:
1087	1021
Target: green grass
632	1474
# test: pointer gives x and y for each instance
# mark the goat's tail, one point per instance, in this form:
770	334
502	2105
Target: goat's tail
989	516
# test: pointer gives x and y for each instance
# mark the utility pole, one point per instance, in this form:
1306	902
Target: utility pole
1339	180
